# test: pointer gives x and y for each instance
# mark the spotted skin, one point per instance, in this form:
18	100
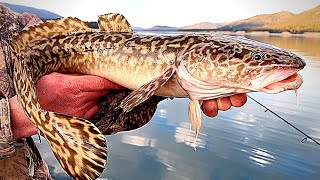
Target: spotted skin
233	60
113	22
196	66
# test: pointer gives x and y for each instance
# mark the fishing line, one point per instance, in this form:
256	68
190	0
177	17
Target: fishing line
267	109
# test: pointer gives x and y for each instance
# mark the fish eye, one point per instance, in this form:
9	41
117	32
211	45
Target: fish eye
257	56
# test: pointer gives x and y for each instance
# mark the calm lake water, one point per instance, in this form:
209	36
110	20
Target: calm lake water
242	143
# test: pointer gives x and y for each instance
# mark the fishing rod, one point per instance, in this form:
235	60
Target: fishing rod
267	109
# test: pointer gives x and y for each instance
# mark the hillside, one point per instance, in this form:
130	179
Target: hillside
204	25
43	14
305	21
258	21
162	28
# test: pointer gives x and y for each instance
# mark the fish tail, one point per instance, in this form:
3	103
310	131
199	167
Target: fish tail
77	144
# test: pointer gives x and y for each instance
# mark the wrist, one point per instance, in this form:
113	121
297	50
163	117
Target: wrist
21	126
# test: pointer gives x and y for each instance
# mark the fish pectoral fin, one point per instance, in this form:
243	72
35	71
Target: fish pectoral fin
114	22
194	112
78	145
146	91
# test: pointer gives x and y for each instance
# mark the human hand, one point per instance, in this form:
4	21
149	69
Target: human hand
71	94
68	94
211	107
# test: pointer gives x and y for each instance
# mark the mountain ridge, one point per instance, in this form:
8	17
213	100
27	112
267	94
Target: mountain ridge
162	28
204	25
306	21
284	21
257	21
41	13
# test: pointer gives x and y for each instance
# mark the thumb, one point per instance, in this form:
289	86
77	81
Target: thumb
89	83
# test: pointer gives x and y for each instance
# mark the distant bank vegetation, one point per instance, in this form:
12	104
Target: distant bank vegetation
92	24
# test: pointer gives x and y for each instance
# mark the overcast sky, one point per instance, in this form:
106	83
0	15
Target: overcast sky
147	13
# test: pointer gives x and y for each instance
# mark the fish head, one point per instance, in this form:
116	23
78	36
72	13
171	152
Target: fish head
274	70
244	65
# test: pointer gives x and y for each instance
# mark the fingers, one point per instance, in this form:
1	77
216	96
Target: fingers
88	83
224	103
88	110
210	108
91	112
78	94
94	95
238	100
84	83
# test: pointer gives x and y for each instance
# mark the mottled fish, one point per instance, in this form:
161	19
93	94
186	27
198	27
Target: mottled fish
199	67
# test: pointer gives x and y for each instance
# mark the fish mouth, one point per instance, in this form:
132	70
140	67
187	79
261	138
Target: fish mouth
278	81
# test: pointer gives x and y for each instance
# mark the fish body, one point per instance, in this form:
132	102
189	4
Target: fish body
133	60
199	67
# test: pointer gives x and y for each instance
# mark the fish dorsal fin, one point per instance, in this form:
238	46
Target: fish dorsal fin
47	29
114	22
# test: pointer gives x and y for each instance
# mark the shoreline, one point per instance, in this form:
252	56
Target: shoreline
267	33
238	33
264	33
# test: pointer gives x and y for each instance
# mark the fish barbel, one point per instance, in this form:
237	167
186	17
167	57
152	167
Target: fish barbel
199	67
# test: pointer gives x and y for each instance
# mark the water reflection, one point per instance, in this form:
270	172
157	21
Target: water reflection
185	134
138	141
261	157
163	113
165	159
